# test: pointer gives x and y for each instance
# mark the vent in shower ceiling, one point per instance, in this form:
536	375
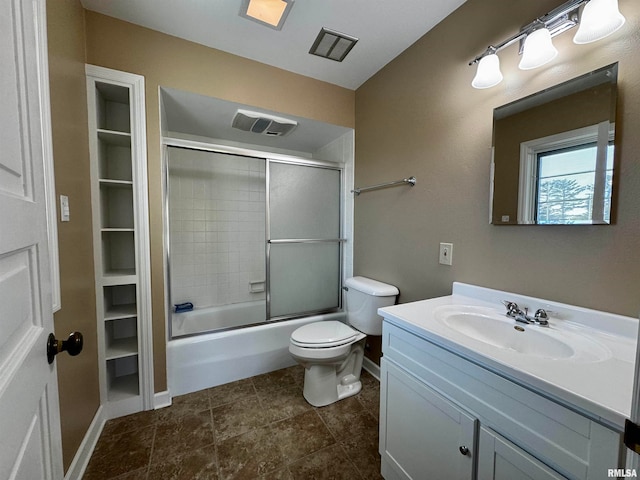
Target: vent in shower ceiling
268	125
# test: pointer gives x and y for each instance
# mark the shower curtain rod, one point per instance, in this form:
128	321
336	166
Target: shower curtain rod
405	181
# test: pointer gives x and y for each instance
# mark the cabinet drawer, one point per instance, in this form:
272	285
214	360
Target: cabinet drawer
570	443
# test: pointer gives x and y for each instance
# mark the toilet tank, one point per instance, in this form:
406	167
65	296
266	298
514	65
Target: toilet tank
363	298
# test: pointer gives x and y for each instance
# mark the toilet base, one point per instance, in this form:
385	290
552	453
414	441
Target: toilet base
325	384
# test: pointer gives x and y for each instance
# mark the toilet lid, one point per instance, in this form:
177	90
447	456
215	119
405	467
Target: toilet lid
329	333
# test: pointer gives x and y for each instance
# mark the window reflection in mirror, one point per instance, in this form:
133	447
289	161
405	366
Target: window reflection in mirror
553	154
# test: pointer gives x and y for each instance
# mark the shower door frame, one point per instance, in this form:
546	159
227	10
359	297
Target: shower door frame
340	240
167	142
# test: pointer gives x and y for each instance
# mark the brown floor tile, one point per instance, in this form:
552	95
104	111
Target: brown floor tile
129	423
119	454
135	475
257	428
199	464
273	380
348	418
284	402
301	435
362	450
249	455
282	474
369	396
181	434
239	417
185	404
328	464
297	372
231	392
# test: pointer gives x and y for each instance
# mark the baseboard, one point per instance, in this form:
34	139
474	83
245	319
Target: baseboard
161	400
83	455
371	367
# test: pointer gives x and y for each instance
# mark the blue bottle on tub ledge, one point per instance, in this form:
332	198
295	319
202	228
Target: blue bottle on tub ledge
183	307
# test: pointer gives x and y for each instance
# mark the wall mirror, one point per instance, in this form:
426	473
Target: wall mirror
553	154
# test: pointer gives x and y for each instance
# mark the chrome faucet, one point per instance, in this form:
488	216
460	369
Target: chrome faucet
513	311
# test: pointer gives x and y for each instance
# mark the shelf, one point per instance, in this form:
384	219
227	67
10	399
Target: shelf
116	205
122	272
119	299
117	312
118	163
118	253
113	137
116	183
113	110
123	379
121	348
124	387
107	230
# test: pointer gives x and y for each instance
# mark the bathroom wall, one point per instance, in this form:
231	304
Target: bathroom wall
77	376
171	62
420	116
216	227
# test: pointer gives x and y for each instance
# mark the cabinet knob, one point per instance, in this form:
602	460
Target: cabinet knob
463	450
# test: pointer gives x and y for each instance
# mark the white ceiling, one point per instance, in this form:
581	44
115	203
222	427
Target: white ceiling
385	29
200	116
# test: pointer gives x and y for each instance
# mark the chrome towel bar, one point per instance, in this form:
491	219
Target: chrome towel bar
405	181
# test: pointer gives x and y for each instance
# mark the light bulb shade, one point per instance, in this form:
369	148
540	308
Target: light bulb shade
488	73
538	50
600	18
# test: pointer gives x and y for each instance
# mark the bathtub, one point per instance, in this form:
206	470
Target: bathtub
214	318
210	359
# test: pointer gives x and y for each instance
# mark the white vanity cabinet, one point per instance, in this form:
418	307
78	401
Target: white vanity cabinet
443	416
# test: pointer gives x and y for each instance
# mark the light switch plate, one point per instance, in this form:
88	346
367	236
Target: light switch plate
64	208
446	253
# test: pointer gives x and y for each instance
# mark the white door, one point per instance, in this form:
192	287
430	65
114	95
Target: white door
30	446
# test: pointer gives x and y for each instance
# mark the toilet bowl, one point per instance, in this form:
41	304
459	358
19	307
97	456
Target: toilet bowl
331	351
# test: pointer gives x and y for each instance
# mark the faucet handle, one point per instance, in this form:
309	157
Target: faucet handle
541	317
512	307
541	314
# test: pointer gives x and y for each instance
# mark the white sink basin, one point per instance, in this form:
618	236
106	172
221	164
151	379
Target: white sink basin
496	330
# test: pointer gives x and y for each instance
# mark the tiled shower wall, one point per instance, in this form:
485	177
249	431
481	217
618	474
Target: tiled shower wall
216	227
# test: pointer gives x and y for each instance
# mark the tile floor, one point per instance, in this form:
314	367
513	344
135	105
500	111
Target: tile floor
257	428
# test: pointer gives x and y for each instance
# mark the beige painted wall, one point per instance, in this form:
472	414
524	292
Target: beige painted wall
171	62
77	376
420	116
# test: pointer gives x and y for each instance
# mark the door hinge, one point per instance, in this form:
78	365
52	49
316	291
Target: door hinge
632	435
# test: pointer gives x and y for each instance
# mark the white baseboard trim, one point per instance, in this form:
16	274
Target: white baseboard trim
83	455
371	367
161	400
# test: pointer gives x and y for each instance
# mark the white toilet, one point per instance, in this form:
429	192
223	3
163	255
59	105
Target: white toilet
331	351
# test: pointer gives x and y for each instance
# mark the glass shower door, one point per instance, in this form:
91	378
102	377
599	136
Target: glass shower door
304	244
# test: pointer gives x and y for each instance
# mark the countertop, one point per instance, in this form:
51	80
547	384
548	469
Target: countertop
599	389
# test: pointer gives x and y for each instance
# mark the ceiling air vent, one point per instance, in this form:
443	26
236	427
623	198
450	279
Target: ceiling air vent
262	123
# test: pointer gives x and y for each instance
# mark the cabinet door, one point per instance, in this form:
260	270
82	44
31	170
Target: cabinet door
499	459
422	434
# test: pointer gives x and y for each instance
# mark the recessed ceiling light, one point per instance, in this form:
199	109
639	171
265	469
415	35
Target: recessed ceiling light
270	13
332	45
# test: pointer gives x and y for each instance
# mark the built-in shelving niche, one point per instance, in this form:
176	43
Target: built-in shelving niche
121	250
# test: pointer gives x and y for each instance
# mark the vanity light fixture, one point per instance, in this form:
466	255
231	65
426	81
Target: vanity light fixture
270	13
538	49
600	18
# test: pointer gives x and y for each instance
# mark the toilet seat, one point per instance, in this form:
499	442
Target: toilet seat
325	334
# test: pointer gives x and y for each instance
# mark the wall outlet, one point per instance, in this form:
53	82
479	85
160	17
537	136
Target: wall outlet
446	253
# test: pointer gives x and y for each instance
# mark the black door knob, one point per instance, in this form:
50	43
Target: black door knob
72	345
